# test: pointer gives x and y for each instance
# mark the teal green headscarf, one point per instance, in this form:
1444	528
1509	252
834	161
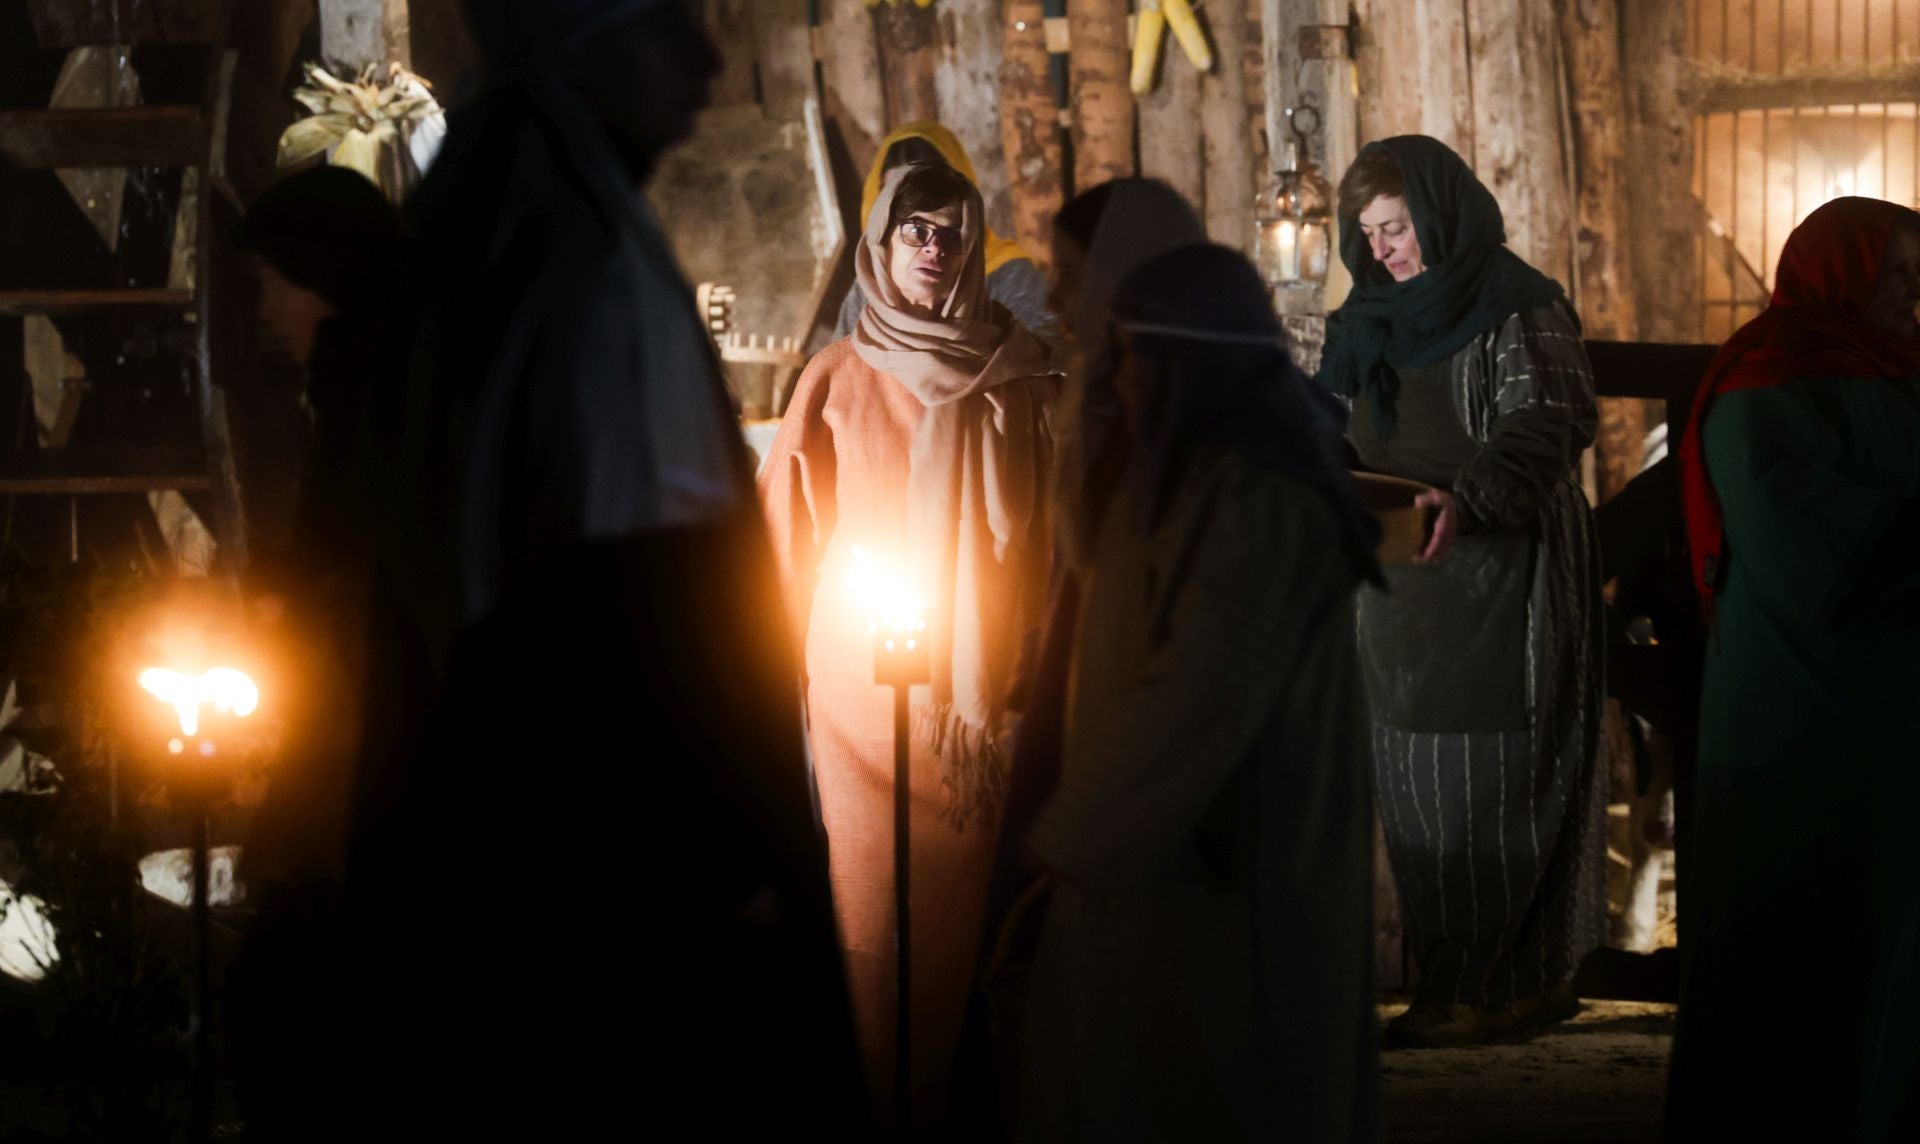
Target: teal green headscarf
1472	281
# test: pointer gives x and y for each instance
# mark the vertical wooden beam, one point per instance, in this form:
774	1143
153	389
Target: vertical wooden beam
967	78
1225	130
730	24
785	49
909	37
1102	104
1659	172
1519	148
1605	278
1170	149
1414	69
1029	126
1340	81
355	33
850	69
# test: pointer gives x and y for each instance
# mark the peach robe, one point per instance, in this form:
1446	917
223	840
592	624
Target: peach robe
836	477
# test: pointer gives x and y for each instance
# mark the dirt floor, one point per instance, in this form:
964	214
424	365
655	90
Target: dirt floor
1597	1079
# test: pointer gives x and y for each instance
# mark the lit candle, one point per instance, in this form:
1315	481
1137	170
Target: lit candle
1289	251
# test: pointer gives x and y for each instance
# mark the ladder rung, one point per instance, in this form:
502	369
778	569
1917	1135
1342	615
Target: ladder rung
65	24
161	136
100	486
18	303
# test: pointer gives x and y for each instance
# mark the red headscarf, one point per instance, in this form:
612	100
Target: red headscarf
1827	274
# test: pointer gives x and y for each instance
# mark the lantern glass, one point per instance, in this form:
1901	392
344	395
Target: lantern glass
1293	235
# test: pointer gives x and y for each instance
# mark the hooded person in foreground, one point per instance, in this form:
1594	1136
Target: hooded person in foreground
1800	471
1205	970
585	875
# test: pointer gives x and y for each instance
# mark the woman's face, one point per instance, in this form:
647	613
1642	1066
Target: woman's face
1388	225
1891	308
926	274
1069	261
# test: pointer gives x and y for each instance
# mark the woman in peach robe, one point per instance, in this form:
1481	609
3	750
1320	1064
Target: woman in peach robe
922	439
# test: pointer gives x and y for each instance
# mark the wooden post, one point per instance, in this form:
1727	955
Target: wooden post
850	69
1519	147
967	78
1029	127
1225	129
785	48
1170	149
1342	134
1413	62
1659	172
730	24
909	39
1605	280
355	33
1102	103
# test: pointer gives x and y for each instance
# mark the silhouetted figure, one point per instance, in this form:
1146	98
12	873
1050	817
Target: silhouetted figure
1800	468
586	888
328	245
1206	967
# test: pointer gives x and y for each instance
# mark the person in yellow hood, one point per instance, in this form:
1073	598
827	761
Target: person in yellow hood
1013	279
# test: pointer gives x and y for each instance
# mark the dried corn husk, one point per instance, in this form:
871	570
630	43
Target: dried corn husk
389	130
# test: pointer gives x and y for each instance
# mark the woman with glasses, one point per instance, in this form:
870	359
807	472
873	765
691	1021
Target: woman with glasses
920	446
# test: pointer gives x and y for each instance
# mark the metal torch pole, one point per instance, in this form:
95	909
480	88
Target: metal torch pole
200	1128
903	919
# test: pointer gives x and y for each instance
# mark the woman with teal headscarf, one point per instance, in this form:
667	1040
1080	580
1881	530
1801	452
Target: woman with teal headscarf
1467	373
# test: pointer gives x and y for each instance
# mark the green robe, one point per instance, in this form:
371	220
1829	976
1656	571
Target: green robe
1205	971
1801	928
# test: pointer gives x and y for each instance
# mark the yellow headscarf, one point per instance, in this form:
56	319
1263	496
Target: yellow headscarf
999	251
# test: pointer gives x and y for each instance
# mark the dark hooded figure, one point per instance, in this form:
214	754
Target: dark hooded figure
1801	475
1205	970
1467	373
586	886
327	244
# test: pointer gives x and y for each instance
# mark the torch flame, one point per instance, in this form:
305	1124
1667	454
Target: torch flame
225	688
886	596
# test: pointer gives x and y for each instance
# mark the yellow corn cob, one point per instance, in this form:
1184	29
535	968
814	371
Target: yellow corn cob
1187	30
1149	24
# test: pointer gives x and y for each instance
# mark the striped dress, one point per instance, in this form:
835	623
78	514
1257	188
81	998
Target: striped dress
1484	670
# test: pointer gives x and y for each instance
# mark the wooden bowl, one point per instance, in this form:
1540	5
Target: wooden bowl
1403	525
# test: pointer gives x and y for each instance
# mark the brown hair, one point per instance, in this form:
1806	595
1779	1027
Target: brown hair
928	187
1373	174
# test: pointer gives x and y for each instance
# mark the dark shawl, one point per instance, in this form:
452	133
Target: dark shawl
1472	281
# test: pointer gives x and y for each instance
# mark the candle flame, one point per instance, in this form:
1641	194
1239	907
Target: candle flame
886	595
225	688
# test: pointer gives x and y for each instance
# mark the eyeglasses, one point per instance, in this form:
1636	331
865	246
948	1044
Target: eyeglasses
916	233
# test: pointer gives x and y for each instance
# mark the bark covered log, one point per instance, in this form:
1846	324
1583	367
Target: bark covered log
1102	102
1171	150
1226	129
967	79
1414	71
1659	173
909	38
1029	126
1519	147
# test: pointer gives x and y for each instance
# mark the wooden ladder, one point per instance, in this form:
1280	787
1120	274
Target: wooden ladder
187	137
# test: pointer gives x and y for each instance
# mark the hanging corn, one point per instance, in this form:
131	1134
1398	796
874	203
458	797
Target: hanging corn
1150	24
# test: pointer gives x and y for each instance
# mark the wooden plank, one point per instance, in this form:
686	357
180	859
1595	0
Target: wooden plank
1340	82
909	37
1604	285
355	33
1170	149
1102	104
730	23
855	101
162	136
785	52
19	303
1413	62
1519	148
1029	130
66	24
1708	95
967	79
1224	128
1664	254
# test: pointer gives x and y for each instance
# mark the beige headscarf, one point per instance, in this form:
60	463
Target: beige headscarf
978	471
